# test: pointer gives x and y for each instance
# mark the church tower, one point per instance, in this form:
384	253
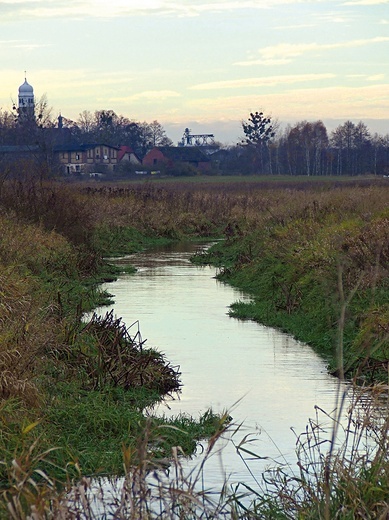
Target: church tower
26	102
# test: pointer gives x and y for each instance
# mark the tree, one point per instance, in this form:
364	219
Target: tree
158	135
136	136
353	145
342	138
106	125
380	148
362	142
7	127
85	122
307	143
258	131
43	113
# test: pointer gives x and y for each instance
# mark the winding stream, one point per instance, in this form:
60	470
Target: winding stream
264	378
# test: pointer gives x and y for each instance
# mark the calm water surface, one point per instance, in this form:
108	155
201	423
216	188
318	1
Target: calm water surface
267	380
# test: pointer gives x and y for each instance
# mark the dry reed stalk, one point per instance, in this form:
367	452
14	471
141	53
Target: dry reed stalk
122	359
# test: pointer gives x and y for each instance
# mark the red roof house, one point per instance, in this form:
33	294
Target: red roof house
127	154
170	156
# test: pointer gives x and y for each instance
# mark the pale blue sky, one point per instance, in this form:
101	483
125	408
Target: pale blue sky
202	63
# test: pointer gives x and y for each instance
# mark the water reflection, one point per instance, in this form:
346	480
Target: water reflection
267	380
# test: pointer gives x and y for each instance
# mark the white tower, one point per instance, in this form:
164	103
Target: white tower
26	100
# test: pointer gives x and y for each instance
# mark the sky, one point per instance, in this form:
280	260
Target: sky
202	64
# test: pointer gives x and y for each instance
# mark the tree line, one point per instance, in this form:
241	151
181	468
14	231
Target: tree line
306	148
102	126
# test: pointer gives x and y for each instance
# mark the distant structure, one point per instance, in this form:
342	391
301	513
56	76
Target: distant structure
26	101
189	139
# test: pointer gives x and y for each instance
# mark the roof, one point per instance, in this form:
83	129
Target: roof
123	150
26	88
71	147
184	153
22	148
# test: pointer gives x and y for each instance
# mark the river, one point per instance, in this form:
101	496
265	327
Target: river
268	382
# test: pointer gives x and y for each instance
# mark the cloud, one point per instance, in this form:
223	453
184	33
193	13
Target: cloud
288	51
306	103
376	77
366	2
149	95
18	10
295	26
20	44
27	9
269	81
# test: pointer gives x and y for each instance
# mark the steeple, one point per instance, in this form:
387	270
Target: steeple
26	99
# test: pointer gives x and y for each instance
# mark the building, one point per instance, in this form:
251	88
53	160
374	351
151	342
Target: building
26	101
172	156
87	158
127	155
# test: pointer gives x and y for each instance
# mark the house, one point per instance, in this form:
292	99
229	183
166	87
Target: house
127	155
86	158
170	156
13	154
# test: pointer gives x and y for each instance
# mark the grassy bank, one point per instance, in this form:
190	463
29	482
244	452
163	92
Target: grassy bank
73	394
318	270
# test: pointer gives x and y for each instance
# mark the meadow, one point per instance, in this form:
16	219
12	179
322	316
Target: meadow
314	255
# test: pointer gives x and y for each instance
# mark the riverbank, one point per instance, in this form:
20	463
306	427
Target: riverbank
72	392
320	273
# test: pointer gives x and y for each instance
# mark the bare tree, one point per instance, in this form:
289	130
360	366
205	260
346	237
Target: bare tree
307	143
158	135
86	122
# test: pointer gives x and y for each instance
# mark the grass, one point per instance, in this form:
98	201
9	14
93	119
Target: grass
73	381
341	471
315	269
296	180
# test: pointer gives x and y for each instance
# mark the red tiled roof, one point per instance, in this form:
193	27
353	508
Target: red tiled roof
123	150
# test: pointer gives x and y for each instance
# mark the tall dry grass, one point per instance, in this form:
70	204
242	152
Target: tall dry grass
29	318
206	209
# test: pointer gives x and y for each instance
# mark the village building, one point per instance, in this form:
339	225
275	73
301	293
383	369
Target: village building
87	158
171	156
59	145
26	101
127	155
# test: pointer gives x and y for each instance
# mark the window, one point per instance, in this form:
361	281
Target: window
77	156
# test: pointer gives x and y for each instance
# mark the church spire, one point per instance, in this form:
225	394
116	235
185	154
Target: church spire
26	100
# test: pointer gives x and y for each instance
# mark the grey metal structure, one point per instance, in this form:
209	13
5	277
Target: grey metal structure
189	139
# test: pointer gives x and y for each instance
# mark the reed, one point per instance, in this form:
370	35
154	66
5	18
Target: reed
341	471
342	464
